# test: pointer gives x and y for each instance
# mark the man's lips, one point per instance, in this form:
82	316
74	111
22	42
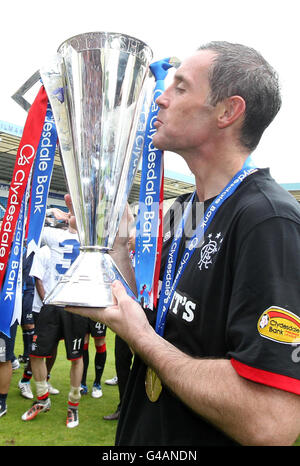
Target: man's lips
158	123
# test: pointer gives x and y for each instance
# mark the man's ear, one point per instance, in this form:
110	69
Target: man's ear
230	110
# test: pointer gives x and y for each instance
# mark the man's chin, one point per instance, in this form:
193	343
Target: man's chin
158	143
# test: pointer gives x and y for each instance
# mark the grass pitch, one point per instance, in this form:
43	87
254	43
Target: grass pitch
49	429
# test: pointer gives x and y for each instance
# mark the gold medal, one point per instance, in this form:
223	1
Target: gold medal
153	385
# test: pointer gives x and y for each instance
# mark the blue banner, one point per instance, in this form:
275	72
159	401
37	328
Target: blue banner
41	179
8	296
148	215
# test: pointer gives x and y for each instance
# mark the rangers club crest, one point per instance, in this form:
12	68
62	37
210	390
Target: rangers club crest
209	249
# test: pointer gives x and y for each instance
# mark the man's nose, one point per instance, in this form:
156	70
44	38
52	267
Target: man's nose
162	100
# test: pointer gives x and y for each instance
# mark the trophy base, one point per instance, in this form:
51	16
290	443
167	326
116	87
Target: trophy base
87	283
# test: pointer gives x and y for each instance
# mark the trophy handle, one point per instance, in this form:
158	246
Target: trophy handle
18	95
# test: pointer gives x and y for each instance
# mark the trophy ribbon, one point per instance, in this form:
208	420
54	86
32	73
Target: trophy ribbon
11	293
149	224
41	178
24	161
149	219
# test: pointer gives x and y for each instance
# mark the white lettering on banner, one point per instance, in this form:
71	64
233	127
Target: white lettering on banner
44	158
169	269
150	191
38	203
239	179
18	238
9	291
154	106
23	157
169	290
14	201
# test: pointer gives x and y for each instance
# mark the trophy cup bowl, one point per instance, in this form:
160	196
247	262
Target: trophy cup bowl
97	86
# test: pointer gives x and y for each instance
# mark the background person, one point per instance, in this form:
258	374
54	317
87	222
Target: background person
40	273
53	324
98	332
27	322
6	355
123	361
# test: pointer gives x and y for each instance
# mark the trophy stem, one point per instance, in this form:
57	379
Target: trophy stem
88	279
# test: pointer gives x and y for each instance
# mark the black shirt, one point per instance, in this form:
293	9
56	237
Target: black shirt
246	271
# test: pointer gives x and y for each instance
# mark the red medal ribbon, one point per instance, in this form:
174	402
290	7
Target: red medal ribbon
24	160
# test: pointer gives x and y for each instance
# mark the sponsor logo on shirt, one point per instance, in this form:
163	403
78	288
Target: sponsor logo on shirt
279	325
183	307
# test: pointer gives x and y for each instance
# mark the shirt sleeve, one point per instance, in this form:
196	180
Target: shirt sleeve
38	267
263	326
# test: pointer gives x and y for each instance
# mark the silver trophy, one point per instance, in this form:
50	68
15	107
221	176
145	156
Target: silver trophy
98	87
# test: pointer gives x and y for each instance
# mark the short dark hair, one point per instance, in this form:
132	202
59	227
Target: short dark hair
241	70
